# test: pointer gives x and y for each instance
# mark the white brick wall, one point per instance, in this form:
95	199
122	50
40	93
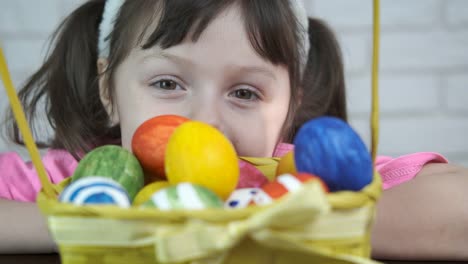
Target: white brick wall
355	47
23	54
424	64
357	14
455	13
429	50
456	97
423	71
399	94
25	17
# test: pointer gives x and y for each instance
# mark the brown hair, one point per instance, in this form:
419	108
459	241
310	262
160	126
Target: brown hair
323	82
68	79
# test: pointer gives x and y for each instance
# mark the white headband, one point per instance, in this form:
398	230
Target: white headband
112	7
304	45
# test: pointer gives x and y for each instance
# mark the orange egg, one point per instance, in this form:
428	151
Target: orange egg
149	144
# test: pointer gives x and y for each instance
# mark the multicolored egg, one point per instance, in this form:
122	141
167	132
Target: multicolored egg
283	184
200	154
112	162
287	183
184	196
145	194
242	198
95	191
149	144
329	148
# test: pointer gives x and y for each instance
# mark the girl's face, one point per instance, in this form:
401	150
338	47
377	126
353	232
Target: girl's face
219	79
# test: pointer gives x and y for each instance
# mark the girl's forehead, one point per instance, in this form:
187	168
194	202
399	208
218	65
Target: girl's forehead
224	37
228	23
256	31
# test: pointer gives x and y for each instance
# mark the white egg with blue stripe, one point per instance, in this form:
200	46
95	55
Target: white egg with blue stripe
95	190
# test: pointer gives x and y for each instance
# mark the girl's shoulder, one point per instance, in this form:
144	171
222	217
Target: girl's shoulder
19	180
395	171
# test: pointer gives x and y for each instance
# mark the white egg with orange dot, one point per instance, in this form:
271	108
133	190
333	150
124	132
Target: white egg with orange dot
288	183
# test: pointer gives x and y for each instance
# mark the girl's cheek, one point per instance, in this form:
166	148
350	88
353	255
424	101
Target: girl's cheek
250	137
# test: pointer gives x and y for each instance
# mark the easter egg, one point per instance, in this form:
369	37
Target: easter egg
250	176
144	194
184	196
113	162
200	154
95	190
329	148
149	144
287	183
242	198
286	164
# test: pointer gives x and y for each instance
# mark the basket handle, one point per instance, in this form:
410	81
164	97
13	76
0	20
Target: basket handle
24	128
375	80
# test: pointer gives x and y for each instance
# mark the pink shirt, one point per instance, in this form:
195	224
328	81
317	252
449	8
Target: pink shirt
19	180
393	171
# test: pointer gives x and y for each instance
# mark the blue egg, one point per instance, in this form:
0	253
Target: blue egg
95	191
330	149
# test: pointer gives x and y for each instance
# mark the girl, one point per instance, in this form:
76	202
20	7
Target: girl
256	70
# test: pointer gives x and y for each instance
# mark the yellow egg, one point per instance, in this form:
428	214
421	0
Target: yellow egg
199	153
286	164
145	194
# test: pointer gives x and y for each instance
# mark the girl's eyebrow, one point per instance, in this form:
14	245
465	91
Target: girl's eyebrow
253	70
239	69
160	54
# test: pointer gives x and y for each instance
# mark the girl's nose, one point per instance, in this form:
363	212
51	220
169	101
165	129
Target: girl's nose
208	113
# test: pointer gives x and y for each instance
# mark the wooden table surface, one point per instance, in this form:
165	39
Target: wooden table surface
55	259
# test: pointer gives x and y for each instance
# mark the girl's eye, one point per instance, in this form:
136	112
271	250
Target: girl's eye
245	94
166	84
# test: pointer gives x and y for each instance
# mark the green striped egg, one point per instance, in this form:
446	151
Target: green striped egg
184	196
112	162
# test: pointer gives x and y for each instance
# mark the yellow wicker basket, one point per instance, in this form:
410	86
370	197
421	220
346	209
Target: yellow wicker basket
302	227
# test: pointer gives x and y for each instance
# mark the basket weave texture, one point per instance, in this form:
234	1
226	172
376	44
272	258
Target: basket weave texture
302	227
